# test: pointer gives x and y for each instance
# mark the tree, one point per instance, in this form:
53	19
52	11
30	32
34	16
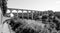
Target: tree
4	7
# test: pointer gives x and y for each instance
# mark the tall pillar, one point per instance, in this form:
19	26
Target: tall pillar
22	14
17	13
32	14
11	14
28	14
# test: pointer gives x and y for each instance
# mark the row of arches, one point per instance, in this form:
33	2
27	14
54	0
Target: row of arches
22	13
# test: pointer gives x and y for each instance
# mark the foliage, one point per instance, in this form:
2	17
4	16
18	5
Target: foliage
4	7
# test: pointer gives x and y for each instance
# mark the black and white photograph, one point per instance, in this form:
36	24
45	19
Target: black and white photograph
29	16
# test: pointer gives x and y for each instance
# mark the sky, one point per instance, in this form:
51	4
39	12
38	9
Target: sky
40	5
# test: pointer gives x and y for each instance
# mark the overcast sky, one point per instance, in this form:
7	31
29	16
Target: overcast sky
35	4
